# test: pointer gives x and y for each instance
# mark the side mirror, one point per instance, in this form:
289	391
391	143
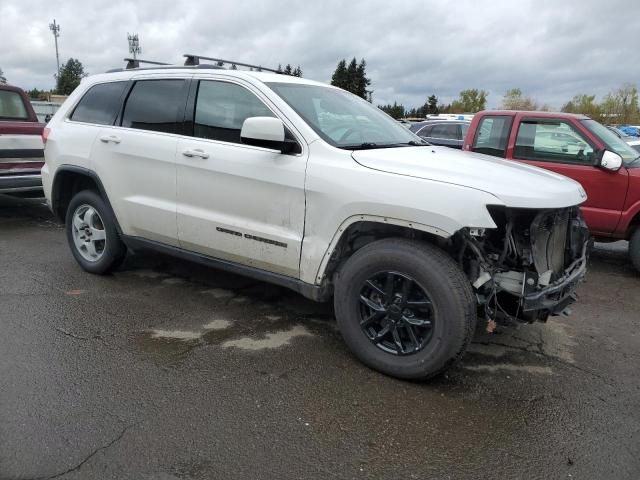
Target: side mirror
609	161
266	132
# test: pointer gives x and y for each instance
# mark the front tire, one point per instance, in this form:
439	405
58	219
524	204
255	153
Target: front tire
634	248
92	234
404	308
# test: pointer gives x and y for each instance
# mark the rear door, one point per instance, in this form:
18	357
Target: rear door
135	158
238	202
560	146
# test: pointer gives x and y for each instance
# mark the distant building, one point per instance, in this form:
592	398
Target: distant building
46	108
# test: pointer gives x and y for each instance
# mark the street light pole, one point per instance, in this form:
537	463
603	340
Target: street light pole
55	29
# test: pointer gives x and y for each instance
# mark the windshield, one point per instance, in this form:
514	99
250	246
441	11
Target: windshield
611	141
12	106
343	119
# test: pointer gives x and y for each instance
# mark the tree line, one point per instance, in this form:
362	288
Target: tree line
620	105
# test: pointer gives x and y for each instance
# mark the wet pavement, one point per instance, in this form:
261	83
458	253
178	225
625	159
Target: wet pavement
167	370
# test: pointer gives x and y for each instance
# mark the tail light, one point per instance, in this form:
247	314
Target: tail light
45	135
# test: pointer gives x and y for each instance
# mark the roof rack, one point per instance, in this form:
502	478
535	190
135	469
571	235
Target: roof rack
135	63
193	60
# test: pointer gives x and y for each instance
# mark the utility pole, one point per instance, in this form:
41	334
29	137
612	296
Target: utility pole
55	29
134	45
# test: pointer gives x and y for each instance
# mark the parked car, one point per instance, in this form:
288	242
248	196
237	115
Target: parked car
629	130
21	150
633	142
307	186
588	152
447	133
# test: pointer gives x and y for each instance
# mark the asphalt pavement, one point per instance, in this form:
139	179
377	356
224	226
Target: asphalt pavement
168	370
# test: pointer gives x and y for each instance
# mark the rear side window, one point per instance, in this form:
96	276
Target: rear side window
492	135
445	131
100	104
12	106
155	105
426	131
222	108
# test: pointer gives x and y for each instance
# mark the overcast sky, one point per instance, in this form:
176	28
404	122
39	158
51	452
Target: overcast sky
550	49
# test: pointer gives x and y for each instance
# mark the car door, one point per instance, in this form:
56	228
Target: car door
559	146
238	202
135	158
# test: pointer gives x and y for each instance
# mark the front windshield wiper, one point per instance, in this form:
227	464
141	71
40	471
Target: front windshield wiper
371	145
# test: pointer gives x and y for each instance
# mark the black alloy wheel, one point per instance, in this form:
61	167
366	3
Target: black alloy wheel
396	313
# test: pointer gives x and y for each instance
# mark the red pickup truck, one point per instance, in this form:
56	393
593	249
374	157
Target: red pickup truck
577	147
21	147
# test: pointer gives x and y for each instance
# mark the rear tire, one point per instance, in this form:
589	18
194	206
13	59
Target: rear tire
634	248
437	305
92	234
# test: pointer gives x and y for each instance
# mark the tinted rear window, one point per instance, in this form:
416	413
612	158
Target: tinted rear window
12	106
154	105
100	104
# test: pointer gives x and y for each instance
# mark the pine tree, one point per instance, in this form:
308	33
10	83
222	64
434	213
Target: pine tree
70	75
297	72
3	79
339	77
362	82
288	70
352	78
432	105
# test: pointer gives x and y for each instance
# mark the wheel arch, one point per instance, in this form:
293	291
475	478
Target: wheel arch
69	180
360	230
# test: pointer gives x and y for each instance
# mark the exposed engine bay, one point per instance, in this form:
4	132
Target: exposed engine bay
529	267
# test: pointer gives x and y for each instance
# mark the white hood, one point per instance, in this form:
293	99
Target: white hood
517	185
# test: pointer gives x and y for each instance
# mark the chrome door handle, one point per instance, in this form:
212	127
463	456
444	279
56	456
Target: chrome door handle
196	152
110	138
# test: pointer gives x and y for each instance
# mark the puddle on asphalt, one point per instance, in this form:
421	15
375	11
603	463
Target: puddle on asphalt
508	367
183	335
263	333
217	325
271	340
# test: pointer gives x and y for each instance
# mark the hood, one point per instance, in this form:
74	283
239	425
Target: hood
515	184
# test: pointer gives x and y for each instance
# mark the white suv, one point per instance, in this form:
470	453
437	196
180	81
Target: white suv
304	185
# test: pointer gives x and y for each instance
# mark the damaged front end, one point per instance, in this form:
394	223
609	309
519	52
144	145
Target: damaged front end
529	267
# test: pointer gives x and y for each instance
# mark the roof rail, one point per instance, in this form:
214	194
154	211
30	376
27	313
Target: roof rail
192	60
135	63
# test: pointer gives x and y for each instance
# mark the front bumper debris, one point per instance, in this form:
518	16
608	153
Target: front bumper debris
560	294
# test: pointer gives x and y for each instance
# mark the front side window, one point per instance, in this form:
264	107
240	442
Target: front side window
154	105
343	119
222	108
12	106
492	135
552	141
100	104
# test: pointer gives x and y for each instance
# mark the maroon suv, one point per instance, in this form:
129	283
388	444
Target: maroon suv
21	149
